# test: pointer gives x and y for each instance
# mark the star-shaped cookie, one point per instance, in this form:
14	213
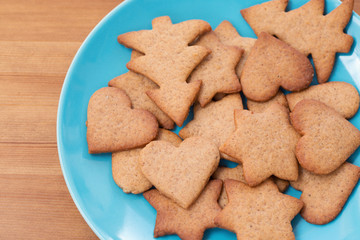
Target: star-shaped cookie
188	224
306	29
229	36
217	71
168	61
236	173
258	213
264	143
257	107
215	121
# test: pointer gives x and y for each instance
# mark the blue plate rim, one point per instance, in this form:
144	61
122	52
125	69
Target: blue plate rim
61	110
62	100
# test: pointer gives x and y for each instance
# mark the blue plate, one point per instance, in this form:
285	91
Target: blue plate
113	214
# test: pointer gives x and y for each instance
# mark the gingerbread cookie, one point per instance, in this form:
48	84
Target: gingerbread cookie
136	86
341	96
125	168
328	139
112	125
325	195
188	224
229	36
273	64
237	174
217	71
261	212
306	29
258	107
281	184
215	121
265	144
180	173
224	173
168	61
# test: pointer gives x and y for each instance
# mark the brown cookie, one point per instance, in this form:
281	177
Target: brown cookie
237	174
258	107
264	143
168	61
215	121
306	29
224	173
261	212
136	85
229	36
180	173
328	139
186	223
325	195
272	64
113	126
217	71
341	96
125	167
281	184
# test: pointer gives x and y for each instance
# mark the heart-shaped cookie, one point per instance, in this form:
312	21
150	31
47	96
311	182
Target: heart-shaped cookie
113	126
180	173
328	139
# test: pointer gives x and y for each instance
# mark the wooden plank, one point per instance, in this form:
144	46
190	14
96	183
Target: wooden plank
40	58
27	124
29	159
50	20
30	90
39	207
38	41
28	108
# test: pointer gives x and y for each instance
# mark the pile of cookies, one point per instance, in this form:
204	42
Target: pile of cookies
302	138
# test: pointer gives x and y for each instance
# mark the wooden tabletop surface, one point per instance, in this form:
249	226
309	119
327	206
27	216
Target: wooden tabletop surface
38	39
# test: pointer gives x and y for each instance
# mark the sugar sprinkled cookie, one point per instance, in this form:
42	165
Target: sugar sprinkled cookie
272	64
306	29
341	96
237	174
328	139
264	143
325	195
260	212
180	173
229	36
112	125
126	170
217	71
215	121
258	107
168	61
188	224
136	85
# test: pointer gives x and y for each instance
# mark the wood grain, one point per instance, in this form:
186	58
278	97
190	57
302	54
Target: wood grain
38	39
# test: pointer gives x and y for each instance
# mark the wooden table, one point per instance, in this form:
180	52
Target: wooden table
38	39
